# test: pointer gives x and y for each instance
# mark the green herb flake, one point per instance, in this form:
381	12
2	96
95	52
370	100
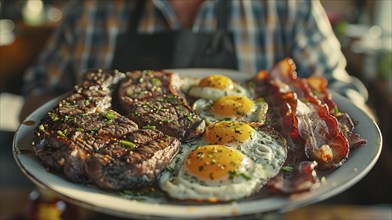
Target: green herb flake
109	122
232	174
127	143
336	110
259	101
141	194
41	127
67	118
189	117
152	127
156	82
110	115
53	116
245	176
287	169
61	133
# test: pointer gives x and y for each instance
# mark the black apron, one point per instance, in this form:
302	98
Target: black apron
175	49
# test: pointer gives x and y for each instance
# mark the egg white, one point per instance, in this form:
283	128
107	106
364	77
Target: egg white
189	85
263	155
202	107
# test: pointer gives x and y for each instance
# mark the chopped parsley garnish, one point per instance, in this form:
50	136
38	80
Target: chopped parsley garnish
336	110
245	176
156	82
287	169
127	143
53	116
259	101
152	127
86	102
41	127
235	173
67	118
110	115
61	133
189	117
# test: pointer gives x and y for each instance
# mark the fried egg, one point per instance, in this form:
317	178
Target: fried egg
212	87
231	161
232	108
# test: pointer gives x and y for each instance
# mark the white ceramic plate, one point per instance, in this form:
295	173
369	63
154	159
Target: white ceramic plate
359	164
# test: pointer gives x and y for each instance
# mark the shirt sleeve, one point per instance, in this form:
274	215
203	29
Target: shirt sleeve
53	71
317	51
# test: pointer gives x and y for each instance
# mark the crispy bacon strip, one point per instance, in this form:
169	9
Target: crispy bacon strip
302	178
347	126
319	129
301	110
318	86
281	116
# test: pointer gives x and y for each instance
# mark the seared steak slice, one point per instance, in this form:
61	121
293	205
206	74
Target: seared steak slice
119	167
100	79
87	141
63	144
92	95
51	142
152	99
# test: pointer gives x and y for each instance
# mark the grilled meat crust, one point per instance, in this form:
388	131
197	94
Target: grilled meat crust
88	141
153	99
116	168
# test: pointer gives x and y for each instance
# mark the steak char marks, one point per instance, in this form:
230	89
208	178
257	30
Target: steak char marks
89	142
152	99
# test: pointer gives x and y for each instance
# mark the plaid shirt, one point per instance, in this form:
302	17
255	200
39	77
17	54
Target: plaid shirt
265	31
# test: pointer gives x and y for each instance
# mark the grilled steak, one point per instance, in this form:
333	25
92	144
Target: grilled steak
53	141
116	167
88	141
152	99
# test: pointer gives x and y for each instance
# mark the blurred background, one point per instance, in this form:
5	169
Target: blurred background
363	28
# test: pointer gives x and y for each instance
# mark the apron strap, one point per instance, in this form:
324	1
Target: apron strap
136	16
223	7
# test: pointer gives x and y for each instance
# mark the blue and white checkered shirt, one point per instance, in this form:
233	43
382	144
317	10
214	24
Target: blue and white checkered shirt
265	31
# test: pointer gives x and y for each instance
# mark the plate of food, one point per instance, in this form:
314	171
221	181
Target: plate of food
196	143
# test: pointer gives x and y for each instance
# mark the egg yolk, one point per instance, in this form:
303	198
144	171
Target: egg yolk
228	132
217	81
238	106
214	162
